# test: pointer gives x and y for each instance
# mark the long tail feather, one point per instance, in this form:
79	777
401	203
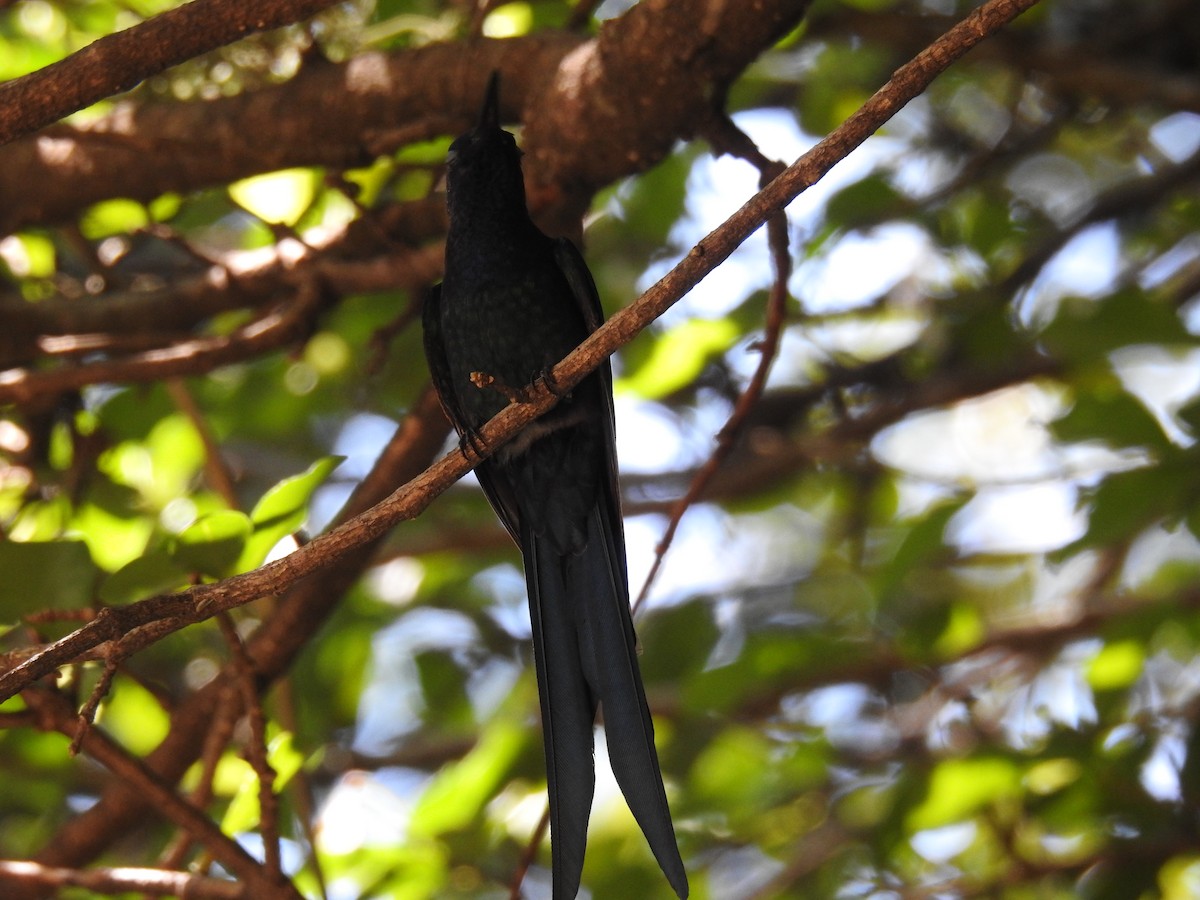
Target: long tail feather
610	660
568	711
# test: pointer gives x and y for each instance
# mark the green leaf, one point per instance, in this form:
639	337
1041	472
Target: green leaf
959	788
679	355
277	197
212	544
44	575
134	716
924	540
111	217
1124	503
245	811
1117	666
869	200
1085	330
444	688
731	766
458	793
282	510
676	641
1112	416
155	572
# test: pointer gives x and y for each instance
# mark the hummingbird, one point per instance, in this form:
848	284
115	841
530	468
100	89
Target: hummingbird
513	302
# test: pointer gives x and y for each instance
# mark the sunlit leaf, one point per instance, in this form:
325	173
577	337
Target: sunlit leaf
133	716
113	217
1116	666
277	197
213	543
959	788
152	573
282	510
509	20
679	355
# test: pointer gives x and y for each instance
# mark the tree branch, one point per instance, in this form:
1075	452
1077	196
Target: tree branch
296	619
154	882
203	601
117	62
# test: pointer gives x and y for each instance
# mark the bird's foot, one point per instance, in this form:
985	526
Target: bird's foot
546	377
472	440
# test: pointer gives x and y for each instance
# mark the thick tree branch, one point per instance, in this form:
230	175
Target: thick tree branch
116	63
343	116
145	332
336	116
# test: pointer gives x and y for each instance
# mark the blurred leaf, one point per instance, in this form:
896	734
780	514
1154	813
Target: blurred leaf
964	628
509	20
460	790
113	217
959	788
924	540
43	575
732	768
678	356
155	572
279	198
1112	416
870	200
444	688
650	205
134	716
244	812
676	641
1179	878
31	256
1125	503
1085	330
1116	666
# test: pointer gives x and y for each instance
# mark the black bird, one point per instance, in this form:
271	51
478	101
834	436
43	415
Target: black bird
513	303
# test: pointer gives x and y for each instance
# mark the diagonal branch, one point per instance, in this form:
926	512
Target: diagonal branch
203	601
58	714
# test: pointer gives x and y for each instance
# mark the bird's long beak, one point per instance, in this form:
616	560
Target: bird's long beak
489	116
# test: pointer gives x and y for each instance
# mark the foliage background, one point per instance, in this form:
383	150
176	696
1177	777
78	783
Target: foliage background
931	630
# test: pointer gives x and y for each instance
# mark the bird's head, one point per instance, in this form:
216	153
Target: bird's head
484	164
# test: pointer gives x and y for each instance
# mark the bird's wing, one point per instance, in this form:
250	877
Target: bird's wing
587	298
435	353
496	487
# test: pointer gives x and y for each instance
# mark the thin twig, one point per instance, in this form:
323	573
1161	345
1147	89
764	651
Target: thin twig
56	713
215	739
737	142
528	854
219	476
256	747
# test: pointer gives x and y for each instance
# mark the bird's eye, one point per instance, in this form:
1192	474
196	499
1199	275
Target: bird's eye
451	156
